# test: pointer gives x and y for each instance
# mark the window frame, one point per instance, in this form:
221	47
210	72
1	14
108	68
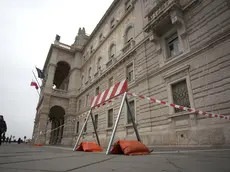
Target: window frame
170	97
127	72
127	118
108	126
77	127
109	82
98	90
112	23
96	121
111	56
128	5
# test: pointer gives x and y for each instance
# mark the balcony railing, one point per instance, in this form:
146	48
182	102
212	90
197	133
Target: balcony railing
158	10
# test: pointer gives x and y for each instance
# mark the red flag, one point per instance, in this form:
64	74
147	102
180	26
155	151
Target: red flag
34	84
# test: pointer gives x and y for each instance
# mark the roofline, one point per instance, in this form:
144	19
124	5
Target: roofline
105	16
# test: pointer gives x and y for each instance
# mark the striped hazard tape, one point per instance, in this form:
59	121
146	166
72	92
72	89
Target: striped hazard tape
211	115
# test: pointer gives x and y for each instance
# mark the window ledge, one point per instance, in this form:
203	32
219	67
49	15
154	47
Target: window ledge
173	115
130	125
109	128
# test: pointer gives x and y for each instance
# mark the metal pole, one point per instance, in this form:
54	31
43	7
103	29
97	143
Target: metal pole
36	79
95	130
116	123
132	115
79	136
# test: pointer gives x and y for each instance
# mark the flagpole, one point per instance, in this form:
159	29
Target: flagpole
36	80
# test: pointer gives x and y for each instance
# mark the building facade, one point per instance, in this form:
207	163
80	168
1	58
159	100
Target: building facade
173	50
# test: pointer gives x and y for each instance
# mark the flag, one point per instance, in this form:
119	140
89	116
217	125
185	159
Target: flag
34	84
40	73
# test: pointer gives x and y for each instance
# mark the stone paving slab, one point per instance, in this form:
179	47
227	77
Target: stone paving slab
24	158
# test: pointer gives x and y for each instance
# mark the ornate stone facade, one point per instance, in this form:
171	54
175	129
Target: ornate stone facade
172	50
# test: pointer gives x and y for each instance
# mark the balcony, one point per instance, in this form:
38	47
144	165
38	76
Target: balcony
159	10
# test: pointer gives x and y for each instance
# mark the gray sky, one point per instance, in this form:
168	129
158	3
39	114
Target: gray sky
27	28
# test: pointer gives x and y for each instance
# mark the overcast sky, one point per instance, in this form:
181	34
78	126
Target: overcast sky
27	28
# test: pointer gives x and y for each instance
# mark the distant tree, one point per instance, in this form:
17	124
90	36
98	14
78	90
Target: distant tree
24	138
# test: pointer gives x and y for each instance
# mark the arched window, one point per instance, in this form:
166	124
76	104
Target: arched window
90	73
112	51
129	34
99	63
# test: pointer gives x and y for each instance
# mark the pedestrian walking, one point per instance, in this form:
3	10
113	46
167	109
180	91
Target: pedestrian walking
3	129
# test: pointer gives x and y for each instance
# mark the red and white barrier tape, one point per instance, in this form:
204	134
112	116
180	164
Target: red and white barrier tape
211	115
84	115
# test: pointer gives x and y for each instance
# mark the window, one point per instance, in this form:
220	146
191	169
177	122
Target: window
87	100
112	23
79	105
180	94
128	5
129	34
91	49
130	72
77	127
173	45
112	51
99	63
85	129
110	82
90	71
97	91
110	118
100	37
132	106
96	120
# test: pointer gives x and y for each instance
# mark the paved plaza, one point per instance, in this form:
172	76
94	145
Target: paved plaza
26	158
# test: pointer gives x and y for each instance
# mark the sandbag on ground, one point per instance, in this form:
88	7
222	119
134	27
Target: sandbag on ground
89	147
130	147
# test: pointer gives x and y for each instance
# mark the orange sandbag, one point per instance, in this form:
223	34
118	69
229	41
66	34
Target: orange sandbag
38	144
130	147
89	147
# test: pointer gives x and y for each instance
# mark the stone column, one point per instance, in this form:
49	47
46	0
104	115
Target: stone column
50	77
42	128
57	131
73	84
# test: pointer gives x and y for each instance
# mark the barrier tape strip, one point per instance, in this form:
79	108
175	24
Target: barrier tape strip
98	106
211	115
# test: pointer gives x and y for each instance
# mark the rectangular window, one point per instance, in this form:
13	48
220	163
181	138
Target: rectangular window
130	72
85	129
110	118
180	94
132	106
112	23
87	100
110	82
77	127
100	37
91	49
127	5
173	45
79	105
97	91
96	120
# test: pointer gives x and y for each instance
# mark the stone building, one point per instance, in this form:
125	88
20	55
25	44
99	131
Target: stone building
173	50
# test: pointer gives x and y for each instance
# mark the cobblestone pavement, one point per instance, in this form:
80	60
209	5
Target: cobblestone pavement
25	158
